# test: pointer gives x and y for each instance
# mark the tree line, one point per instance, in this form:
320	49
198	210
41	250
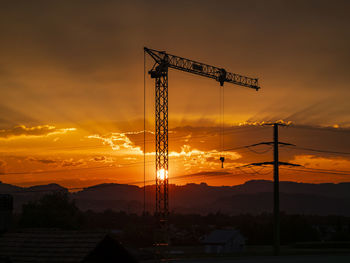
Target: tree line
56	210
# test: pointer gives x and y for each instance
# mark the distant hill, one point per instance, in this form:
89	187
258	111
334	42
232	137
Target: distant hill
251	197
340	190
9	188
256	196
23	195
46	188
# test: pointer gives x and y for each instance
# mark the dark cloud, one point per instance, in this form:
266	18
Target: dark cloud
10	117
209	173
44	161
58	162
76	60
99	158
71	162
326	112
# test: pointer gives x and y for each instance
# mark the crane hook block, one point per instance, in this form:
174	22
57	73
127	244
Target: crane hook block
222	159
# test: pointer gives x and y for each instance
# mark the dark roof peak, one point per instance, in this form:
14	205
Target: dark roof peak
53	245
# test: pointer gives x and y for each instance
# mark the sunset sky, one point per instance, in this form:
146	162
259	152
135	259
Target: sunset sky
71	79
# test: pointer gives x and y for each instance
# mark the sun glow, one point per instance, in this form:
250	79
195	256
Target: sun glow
162	174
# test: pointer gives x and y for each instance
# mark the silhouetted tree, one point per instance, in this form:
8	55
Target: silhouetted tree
51	211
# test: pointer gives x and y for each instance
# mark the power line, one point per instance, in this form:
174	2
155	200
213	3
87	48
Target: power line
109	166
144	132
210	134
308	169
140	163
317	150
331	170
255	172
319	128
257	152
313	171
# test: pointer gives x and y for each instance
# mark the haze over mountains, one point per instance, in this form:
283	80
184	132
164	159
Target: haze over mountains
251	197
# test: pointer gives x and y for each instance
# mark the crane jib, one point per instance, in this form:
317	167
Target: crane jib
202	69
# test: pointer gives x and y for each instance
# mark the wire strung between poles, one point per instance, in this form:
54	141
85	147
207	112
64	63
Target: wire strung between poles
144	132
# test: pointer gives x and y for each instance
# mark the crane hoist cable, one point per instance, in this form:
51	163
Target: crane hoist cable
144	132
222	123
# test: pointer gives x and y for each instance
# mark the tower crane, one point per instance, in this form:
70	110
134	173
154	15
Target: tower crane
162	62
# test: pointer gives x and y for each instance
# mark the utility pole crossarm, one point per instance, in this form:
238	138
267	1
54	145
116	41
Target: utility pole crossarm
271	143
198	68
269	163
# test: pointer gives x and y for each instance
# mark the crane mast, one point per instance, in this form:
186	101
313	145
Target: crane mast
162	62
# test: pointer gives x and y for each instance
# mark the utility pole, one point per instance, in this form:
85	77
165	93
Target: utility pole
276	193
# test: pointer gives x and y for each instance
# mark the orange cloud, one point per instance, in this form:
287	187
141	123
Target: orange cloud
115	140
120	141
312	161
2	166
261	123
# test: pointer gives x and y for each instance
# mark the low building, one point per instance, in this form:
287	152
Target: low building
224	241
62	246
6	207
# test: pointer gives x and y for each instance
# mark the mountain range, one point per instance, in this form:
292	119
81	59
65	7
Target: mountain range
253	197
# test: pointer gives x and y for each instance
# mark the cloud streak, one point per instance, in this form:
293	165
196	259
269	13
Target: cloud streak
120	141
57	162
36	131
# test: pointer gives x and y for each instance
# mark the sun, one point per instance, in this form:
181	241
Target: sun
162	174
